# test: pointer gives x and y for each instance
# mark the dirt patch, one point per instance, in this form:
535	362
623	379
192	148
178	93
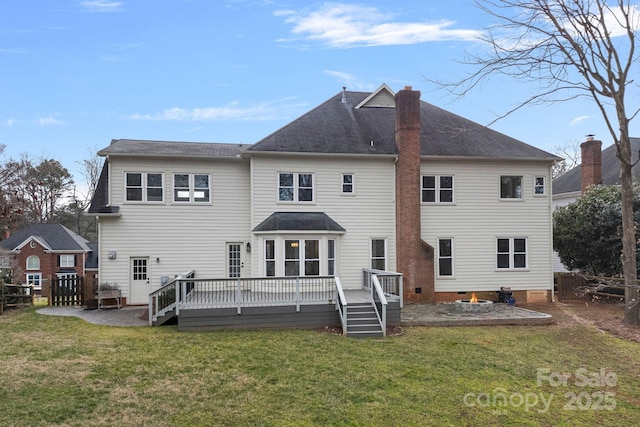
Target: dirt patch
392	331
604	315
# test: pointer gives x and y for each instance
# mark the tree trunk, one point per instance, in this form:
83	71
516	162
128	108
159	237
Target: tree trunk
632	310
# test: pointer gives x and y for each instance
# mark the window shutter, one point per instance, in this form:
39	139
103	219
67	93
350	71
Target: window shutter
58	260
75	260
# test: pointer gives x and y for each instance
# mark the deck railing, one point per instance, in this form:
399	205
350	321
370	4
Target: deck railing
164	299
379	303
247	292
390	282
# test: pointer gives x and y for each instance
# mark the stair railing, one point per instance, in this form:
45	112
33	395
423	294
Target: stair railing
379	298
341	305
165	298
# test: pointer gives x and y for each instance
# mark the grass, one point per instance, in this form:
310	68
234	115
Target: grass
64	371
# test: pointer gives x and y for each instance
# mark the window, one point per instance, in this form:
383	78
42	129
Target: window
270	258
538	186
291	258
33	263
437	189
144	187
445	257
295	187
331	257
193	188
34	279
311	257
378	254
511	187
348	185
512	253
67	261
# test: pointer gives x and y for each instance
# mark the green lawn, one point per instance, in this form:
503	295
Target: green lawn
64	371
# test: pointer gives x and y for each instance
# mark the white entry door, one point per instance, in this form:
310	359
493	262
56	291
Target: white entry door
139	288
235	262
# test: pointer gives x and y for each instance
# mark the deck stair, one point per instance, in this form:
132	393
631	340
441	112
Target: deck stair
362	321
163	318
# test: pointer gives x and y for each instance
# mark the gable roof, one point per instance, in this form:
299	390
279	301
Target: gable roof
54	237
571	181
337	127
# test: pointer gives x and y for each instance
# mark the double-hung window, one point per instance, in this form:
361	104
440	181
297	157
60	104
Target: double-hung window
143	187
538	186
445	257
510	187
302	257
511	253
190	187
295	187
348	183
67	261
379	254
437	189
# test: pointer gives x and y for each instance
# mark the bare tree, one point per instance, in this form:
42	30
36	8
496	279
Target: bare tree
568	49
570	153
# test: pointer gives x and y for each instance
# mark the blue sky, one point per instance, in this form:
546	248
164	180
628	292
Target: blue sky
75	74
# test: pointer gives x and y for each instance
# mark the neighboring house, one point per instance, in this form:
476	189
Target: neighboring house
597	167
364	180
43	251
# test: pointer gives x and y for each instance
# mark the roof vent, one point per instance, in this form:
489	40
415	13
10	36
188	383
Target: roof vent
344	94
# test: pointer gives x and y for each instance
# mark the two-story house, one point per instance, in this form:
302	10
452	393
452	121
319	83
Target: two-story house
365	180
44	251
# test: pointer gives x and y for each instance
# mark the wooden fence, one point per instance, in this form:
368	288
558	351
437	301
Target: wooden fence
571	287
15	296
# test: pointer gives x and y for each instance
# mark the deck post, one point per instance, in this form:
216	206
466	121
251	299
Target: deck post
178	286
297	294
239	296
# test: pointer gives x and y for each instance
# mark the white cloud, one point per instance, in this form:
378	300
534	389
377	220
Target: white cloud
232	111
101	5
578	120
349	80
47	121
343	26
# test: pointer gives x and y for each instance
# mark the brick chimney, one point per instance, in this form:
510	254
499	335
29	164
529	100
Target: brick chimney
414	257
591	162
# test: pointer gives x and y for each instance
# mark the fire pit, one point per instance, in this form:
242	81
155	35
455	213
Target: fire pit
473	305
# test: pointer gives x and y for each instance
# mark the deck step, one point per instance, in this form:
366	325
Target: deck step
164	318
362	321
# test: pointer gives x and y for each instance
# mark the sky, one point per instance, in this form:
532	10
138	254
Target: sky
75	74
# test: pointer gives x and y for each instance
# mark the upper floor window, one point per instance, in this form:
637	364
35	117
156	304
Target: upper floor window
539	189
295	187
348	184
510	187
33	263
67	260
437	189
144	187
512	253
189	187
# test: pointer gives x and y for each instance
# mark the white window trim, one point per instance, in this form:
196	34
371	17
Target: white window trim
145	188
512	253
192	189
296	187
544	186
33	268
522	187
437	189
453	264
353	184
386	252
32	275
67	258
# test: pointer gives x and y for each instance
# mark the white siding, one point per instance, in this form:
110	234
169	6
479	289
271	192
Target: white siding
369	213
478	217
181	236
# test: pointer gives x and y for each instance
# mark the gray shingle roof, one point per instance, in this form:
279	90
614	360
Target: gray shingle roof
56	236
336	127
571	181
299	221
135	147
